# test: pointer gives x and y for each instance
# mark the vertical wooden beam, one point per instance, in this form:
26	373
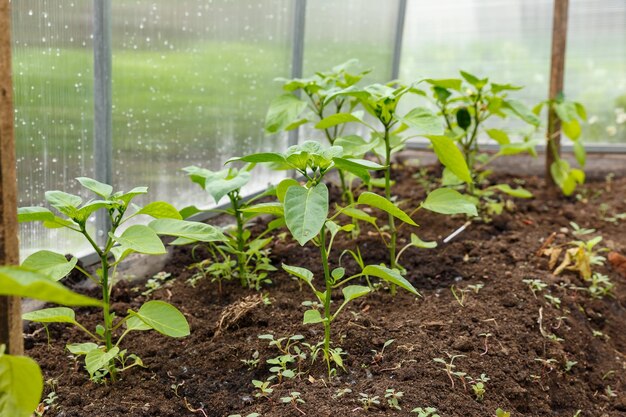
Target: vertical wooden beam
10	309
557	75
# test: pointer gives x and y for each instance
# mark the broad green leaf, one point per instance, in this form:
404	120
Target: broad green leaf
496	88
64	202
339	118
141	239
449	201
580	110
283	186
50	263
474	80
352	292
127	197
83	213
298	272
34	214
160	210
523	112
419	243
164	318
580	153
20	282
312	317
219	187
515	148
359	215
513	192
81	348
134	323
51	315
306	210
97	359
376	201
566	111
283	111
58	222
424	121
103	190
259	158
451	83
499	136
354	146
21	385
451	157
193	231
389	275
265	208
357	167
571	129
189	211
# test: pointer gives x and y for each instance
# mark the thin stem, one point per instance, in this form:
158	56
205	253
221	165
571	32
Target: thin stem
392	226
241	256
327	297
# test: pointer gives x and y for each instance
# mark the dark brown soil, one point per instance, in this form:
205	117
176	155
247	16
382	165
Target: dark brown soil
526	370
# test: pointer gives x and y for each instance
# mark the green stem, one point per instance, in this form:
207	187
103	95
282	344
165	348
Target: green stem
241	256
106	300
327	297
392	226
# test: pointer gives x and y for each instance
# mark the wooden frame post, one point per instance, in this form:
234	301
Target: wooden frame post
557	75
10	307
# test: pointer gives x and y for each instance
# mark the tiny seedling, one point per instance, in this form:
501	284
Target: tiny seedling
479	386
294	399
449	367
555	301
460	294
377	356
253	362
157	281
569	365
340	392
476	287
501	413
535	285
425	412
393	398
368	402
262	389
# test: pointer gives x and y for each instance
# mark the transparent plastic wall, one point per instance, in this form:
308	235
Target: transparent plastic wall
596	66
337	31
52	76
507	41
192	81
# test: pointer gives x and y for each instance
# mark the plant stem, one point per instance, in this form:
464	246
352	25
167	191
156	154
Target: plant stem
327	297
392	226
241	257
106	299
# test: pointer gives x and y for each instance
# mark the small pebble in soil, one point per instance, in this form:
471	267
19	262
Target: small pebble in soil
246	399
458	278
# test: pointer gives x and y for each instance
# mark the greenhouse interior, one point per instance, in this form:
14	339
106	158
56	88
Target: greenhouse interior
313	208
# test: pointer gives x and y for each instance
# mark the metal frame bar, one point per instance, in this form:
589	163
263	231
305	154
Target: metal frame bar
102	98
599	148
397	44
297	55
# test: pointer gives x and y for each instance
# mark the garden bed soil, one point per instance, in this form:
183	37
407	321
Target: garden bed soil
526	370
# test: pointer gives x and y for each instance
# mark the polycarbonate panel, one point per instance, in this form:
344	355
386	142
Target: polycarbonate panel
505	40
596	66
337	31
192	81
53	79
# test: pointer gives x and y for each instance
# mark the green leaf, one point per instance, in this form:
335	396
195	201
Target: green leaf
193	231
81	348
513	192
134	323
449	201
499	136
571	129
20	282
339	118
451	83
259	158
34	214
160	210
354	146
298	272
357	167
474	80
389	275
275	209
566	111
83	213
419	243
219	187
359	215
141	239
580	110
21	385
580	153
127	197
189	211
50	263
523	112
376	201
306	210
519	147
103	190
352	292
51	315
283	111
451	157
312	317
424	121
97	359
64	202
283	186
497	88
164	318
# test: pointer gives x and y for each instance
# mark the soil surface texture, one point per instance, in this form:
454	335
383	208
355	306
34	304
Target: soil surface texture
549	353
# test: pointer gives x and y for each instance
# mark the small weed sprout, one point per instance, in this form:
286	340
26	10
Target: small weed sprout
262	389
368	402
449	367
393	398
340	392
479	386
535	285
459	294
156	282
253	362
294	399
569	365
476	287
377	356
555	301
501	413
